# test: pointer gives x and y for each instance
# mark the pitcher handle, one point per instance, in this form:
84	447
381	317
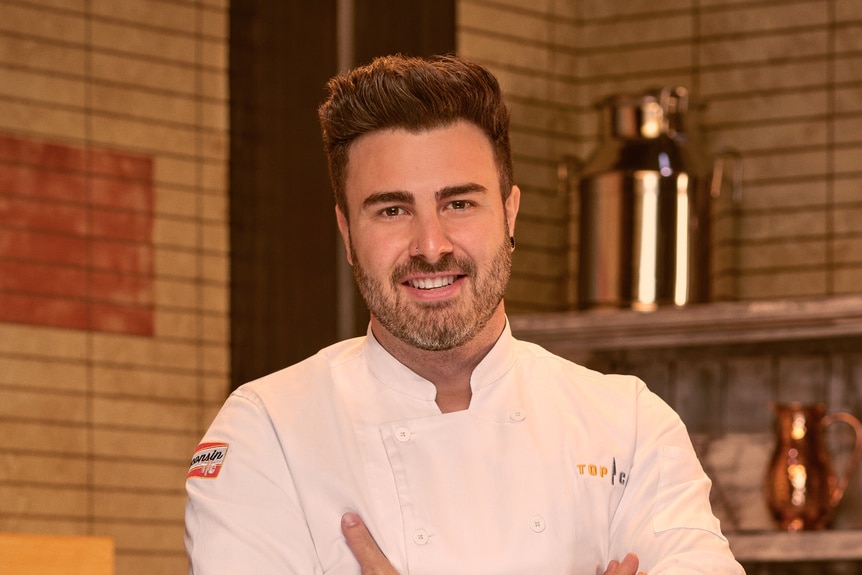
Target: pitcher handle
842	482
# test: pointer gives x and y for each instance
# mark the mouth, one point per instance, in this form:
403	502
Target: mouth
431	283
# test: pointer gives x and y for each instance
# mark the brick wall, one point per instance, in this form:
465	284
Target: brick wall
779	81
113	265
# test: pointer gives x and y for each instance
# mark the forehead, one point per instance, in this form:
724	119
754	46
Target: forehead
428	160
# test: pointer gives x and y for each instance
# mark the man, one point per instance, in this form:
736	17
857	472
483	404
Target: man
438	444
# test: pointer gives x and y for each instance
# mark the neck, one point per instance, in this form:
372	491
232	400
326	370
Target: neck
450	370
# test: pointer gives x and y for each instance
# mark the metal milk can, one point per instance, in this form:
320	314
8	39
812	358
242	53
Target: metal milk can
643	208
802	490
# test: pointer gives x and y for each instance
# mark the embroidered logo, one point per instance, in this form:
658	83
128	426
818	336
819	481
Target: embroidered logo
600	471
208	460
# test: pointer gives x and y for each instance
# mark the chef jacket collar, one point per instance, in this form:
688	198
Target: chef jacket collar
397	376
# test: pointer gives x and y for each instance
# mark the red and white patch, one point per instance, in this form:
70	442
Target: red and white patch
208	460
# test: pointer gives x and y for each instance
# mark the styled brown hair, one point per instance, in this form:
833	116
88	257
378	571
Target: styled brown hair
415	94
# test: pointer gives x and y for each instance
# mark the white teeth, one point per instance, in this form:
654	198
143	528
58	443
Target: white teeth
431	283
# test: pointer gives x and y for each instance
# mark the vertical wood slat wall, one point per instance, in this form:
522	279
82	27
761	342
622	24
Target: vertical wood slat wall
781	82
283	231
113	150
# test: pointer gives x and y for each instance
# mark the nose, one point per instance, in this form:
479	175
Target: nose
430	241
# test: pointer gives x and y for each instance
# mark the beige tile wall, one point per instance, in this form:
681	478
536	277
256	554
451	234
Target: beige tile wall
781	82
98	423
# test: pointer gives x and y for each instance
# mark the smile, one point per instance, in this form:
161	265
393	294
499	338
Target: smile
431	283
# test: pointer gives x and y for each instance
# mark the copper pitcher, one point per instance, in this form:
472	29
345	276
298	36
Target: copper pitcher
802	489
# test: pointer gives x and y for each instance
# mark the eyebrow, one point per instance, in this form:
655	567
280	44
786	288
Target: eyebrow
450	191
395	197
403	197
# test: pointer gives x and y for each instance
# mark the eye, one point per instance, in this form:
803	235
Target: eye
460	204
392	212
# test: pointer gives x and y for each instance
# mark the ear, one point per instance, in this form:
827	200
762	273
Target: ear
344	228
513	202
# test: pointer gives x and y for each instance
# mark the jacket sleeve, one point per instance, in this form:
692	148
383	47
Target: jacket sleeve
665	515
243	513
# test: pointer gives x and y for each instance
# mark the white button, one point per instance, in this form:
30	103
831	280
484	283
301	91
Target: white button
420	537
518	415
403	434
537	524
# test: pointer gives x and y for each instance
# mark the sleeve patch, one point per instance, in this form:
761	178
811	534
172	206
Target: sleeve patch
208	460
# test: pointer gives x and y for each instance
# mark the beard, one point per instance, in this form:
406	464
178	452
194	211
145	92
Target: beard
441	325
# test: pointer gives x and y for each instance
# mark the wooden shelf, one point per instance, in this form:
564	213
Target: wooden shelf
573	333
829	545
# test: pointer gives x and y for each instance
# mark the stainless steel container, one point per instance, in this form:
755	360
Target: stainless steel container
643	208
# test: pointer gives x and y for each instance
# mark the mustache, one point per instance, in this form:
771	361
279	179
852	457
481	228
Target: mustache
447	263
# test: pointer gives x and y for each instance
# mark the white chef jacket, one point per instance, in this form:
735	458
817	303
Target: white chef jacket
553	470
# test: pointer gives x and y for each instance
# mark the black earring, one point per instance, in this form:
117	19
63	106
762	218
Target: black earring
512	241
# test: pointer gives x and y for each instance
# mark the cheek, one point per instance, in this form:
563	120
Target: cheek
482	243
377	253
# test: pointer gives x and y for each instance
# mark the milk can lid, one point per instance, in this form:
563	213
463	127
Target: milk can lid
650	114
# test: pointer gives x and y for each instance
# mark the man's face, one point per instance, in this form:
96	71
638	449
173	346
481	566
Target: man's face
428	235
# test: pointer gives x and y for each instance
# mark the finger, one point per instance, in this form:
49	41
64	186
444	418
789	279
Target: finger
612	566
629	565
371	560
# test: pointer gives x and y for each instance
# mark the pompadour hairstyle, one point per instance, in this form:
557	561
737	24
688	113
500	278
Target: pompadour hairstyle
415	94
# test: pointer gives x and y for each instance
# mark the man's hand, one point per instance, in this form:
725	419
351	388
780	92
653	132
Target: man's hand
629	566
371	559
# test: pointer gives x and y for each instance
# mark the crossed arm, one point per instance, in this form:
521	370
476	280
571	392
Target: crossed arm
373	562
